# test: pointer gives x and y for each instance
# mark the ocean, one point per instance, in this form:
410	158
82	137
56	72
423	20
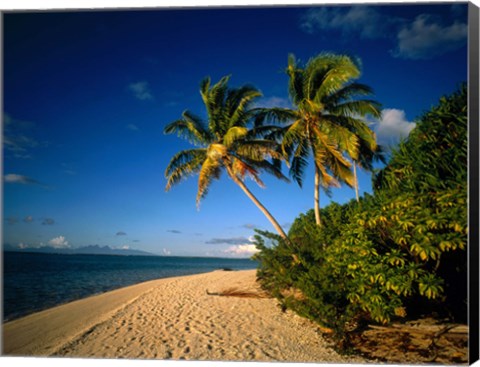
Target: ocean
34	281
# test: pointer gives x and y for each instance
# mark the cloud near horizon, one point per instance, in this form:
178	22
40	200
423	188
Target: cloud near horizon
120	233
228	241
174	231
242	250
48	222
59	242
166	252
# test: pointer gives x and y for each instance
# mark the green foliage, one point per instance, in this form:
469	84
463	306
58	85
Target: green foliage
399	252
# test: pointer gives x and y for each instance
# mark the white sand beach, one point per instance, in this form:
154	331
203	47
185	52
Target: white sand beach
175	319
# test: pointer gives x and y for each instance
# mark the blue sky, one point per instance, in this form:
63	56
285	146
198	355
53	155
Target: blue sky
87	95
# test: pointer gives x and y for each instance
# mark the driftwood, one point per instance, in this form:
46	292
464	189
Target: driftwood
235	292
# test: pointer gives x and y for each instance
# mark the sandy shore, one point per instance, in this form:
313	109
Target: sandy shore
173	318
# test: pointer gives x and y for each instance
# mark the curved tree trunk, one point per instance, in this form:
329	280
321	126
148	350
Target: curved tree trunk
316	196
258	204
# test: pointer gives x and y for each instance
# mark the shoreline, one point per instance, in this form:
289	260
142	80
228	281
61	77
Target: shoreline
173	318
81	276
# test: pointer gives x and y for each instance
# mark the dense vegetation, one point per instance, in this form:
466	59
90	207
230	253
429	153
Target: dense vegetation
400	252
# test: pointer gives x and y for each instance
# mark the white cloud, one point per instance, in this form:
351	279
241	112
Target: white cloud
20	179
361	20
28	219
392	126
242	250
59	242
425	38
141	90
166	252
15	137
227	241
48	222
132	127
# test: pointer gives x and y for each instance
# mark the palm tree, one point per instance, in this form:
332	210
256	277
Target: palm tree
326	121
224	143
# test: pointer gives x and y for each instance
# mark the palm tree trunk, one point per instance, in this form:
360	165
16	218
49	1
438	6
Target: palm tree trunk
258	204
316	196
355	180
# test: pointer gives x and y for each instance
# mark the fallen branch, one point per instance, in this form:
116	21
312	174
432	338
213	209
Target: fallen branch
235	292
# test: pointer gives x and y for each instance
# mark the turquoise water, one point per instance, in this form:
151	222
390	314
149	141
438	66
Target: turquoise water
34	281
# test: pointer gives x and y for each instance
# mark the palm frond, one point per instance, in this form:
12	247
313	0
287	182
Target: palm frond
324	143
326	179
214	100
183	164
234	134
348	142
355	125
331	157
337	70
326	73
237	103
273	167
190	127
299	161
273	115
347	93
362	107
259	150
204	88
269	132
296	80
242	169
341	169
209	171
294	134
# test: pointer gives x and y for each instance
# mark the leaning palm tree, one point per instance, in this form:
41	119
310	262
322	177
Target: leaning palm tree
326	120
224	142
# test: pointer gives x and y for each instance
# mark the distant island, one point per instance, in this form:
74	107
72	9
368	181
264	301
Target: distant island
86	250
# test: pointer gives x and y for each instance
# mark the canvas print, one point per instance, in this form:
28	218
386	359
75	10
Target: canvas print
253	183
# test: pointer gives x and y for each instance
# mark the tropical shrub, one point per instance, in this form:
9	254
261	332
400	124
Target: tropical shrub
398	252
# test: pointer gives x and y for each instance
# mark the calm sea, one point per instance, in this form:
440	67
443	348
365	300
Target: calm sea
34	282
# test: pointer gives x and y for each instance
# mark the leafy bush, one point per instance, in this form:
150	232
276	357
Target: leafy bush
394	253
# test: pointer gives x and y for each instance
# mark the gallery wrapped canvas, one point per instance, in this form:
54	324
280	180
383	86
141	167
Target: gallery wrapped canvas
252	183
